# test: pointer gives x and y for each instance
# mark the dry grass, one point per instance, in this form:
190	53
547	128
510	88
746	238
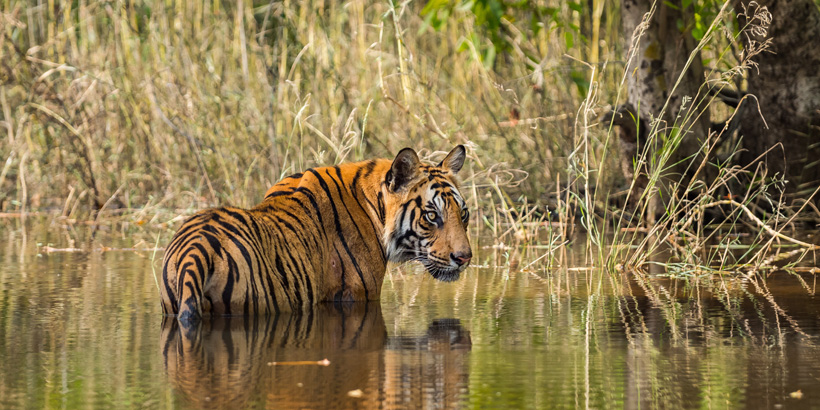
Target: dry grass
185	105
152	108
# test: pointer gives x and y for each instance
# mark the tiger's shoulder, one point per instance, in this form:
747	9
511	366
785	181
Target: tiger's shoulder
369	174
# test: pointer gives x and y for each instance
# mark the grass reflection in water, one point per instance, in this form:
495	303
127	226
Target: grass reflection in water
83	329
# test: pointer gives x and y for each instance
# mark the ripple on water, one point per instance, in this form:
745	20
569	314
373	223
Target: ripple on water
84	330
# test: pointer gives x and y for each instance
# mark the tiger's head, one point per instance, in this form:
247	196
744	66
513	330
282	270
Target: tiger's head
426	216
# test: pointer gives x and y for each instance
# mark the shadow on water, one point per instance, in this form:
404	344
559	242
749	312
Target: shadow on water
225	362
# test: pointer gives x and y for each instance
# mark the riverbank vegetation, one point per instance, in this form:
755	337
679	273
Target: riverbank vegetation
152	110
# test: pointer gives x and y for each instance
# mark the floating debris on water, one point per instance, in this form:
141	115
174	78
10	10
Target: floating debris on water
323	362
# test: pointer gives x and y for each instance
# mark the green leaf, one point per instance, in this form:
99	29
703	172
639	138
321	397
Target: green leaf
671	5
489	57
463	46
466	6
699	30
581	81
569	39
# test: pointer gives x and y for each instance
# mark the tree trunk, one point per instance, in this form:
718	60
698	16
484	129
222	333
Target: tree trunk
661	54
786	82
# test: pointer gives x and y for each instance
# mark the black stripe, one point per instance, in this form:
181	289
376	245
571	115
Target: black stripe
253	238
376	233
213	241
355	182
191	222
205	255
310	196
382	212
287	224
266	270
339	232
342	266
344	205
283	276
297	261
408	235
279	193
296	219
191	301
233	269
200	269
405	206
319	228
369	167
228	227
240	218
353	189
247	256
306	232
227	292
308	286
168	292
192	284
273	294
181	280
286	258
193	279
300	272
180	239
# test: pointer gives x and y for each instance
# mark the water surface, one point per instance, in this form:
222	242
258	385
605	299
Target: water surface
84	329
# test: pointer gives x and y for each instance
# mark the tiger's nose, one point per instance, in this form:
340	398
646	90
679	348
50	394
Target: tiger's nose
462	257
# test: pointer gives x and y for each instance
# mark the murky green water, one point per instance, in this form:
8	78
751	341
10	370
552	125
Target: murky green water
83	329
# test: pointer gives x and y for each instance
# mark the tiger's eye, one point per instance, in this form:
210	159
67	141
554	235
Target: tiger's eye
465	216
430	216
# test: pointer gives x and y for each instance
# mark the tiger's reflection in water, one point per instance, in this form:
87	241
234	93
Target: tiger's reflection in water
223	362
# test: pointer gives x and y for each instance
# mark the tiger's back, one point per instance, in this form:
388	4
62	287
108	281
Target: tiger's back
209	264
323	235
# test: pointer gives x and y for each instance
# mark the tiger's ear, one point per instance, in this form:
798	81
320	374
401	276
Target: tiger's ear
405	168
455	159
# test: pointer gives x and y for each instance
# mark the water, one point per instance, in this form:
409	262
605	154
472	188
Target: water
83	329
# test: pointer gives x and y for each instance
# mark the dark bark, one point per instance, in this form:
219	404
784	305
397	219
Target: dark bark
630	131
660	56
786	83
780	120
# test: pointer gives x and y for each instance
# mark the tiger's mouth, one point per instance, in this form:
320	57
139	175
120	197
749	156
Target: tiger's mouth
439	269
444	273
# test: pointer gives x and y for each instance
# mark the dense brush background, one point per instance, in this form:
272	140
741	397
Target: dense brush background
189	104
166	107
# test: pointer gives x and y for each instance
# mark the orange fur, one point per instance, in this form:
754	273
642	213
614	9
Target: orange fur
322	235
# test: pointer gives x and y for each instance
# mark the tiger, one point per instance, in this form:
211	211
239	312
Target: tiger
323	235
